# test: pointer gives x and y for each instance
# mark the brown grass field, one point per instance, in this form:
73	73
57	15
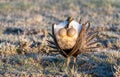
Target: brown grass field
24	28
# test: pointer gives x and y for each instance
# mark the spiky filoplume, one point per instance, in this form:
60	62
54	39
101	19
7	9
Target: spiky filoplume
82	42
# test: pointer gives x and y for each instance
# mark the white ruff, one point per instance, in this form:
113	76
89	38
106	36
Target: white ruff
67	42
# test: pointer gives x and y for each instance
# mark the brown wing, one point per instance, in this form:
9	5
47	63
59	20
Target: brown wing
84	42
54	44
78	42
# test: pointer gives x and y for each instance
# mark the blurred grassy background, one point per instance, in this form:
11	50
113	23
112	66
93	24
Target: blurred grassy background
24	27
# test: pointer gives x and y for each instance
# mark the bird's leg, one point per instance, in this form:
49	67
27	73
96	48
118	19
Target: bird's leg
68	61
74	60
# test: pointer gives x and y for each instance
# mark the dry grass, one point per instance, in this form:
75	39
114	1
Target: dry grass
24	26
117	73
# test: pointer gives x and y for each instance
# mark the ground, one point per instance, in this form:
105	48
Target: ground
24	28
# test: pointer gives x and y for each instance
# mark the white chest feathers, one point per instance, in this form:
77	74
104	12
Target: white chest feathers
67	36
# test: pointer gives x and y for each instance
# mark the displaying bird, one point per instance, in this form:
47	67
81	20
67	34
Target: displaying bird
71	38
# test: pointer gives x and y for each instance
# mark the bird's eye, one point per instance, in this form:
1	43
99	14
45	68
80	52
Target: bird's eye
71	32
62	32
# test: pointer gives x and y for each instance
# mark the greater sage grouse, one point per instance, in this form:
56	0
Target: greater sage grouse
71	38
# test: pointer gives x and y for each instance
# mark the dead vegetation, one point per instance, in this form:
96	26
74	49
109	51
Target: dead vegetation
24	27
